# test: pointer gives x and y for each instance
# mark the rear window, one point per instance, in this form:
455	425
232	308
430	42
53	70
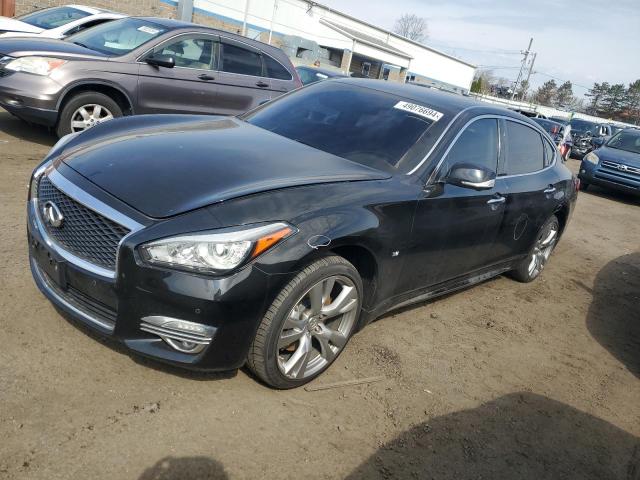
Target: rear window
524	149
53	17
363	125
275	69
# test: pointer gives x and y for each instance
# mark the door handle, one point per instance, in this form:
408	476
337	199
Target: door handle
549	190
262	84
496	201
204	76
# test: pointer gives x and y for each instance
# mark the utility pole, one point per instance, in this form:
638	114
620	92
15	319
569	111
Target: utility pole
522	66
273	16
533	61
246	14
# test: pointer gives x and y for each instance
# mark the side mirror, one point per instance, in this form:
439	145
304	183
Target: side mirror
157	60
471	176
598	142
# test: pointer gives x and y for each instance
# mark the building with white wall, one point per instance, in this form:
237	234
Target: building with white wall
311	32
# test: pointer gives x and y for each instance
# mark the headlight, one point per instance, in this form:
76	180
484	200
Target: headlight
592	158
215	252
35	65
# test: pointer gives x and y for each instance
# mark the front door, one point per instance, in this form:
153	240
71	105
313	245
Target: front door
455	227
189	87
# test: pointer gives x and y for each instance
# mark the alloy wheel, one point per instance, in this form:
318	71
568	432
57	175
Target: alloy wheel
88	116
542	249
317	327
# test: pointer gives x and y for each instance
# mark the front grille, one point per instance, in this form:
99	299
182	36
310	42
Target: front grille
620	168
83	232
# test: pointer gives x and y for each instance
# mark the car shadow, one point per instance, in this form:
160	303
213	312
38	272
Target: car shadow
613	317
14	127
520	435
185	468
610	194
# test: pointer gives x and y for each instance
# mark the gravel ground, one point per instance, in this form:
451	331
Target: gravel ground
503	380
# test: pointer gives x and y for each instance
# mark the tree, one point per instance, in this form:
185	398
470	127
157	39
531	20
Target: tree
596	94
482	82
613	101
564	95
412	26
546	94
632	103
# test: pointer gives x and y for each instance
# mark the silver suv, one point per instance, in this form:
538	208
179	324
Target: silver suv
138	65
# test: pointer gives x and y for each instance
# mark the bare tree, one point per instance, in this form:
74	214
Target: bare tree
412	26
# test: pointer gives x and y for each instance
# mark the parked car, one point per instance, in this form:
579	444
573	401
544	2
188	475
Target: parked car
582	132
57	22
208	242
313	74
557	131
126	67
615	164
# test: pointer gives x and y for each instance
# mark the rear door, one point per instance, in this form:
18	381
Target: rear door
455	228
242	85
280	78
189	87
534	186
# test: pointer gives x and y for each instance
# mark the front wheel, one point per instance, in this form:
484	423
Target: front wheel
308	324
531	267
86	110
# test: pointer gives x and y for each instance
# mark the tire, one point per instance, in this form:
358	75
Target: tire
531	267
89	100
281	365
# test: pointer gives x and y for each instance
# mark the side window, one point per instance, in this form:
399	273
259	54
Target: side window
241	60
477	145
191	52
524	149
275	69
549	152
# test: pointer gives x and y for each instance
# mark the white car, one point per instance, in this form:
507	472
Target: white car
57	22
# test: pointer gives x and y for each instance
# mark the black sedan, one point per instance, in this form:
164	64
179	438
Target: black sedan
269	239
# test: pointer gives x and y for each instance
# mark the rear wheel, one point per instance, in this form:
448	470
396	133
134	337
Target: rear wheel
308	324
531	267
86	110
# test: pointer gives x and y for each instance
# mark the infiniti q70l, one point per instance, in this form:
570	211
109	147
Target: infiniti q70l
271	238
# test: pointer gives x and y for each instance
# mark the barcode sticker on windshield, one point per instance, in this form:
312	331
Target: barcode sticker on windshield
149	30
425	112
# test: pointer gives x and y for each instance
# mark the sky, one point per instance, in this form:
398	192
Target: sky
584	41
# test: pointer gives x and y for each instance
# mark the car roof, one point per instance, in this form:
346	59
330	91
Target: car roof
91	10
444	102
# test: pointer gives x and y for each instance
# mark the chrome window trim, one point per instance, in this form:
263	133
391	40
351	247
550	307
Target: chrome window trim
480	117
88	201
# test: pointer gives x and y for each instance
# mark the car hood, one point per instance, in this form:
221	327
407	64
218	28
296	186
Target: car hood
164	165
12	25
37	45
618	156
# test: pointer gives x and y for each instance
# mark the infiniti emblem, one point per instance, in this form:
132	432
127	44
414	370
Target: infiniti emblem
52	214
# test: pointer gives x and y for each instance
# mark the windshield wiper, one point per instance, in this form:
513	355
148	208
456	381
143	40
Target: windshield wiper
80	44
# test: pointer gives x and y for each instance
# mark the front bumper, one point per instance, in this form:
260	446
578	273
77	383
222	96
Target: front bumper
33	98
605	175
120	307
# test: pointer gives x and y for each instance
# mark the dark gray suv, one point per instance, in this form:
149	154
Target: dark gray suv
138	65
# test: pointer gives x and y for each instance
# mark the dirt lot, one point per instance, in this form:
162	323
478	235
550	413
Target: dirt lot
503	380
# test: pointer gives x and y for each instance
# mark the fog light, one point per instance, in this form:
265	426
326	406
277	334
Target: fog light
181	335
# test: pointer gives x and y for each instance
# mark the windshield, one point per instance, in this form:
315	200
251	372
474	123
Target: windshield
53	17
367	126
627	140
550	127
583	126
118	37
